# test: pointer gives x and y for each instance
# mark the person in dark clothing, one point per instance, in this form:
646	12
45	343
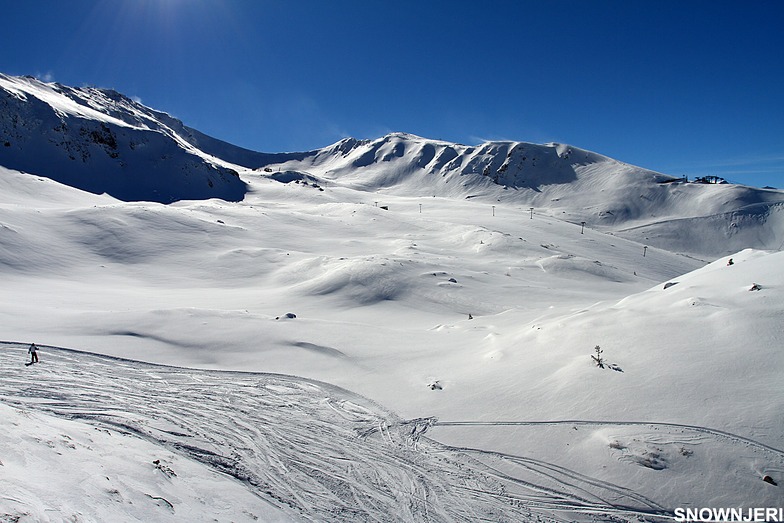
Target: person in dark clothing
33	350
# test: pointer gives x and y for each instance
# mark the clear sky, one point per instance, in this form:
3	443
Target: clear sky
684	87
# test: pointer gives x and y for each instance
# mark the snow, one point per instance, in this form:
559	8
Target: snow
57	469
26	87
310	355
102	142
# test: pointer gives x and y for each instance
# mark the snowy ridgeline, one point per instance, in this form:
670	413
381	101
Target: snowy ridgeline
569	182
101	141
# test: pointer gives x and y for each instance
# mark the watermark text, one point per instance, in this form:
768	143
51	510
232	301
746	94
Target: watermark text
704	515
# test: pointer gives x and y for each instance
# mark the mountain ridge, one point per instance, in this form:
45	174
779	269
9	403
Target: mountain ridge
563	180
102	141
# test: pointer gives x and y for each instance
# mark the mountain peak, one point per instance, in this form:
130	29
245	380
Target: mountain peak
399	135
101	141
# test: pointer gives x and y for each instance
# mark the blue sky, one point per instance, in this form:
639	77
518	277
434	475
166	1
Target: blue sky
683	87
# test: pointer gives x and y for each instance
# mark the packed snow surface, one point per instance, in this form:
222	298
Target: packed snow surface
385	330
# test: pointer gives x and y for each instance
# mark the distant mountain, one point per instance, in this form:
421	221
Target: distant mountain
562	180
101	141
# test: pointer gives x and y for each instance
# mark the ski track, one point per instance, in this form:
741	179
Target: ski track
696	428
317	451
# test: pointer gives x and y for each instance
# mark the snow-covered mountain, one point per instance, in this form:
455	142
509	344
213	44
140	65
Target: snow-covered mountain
397	329
100	141
569	182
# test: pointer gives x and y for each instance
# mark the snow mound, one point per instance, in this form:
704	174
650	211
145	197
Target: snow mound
574	267
711	328
360	280
758	224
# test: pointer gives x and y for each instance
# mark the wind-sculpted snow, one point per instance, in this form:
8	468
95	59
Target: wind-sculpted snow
760	224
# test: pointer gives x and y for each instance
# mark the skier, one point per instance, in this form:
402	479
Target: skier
33	350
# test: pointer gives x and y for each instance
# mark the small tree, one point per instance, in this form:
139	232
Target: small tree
597	358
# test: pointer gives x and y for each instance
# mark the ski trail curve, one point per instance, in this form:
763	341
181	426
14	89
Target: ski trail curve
316	451
599	423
